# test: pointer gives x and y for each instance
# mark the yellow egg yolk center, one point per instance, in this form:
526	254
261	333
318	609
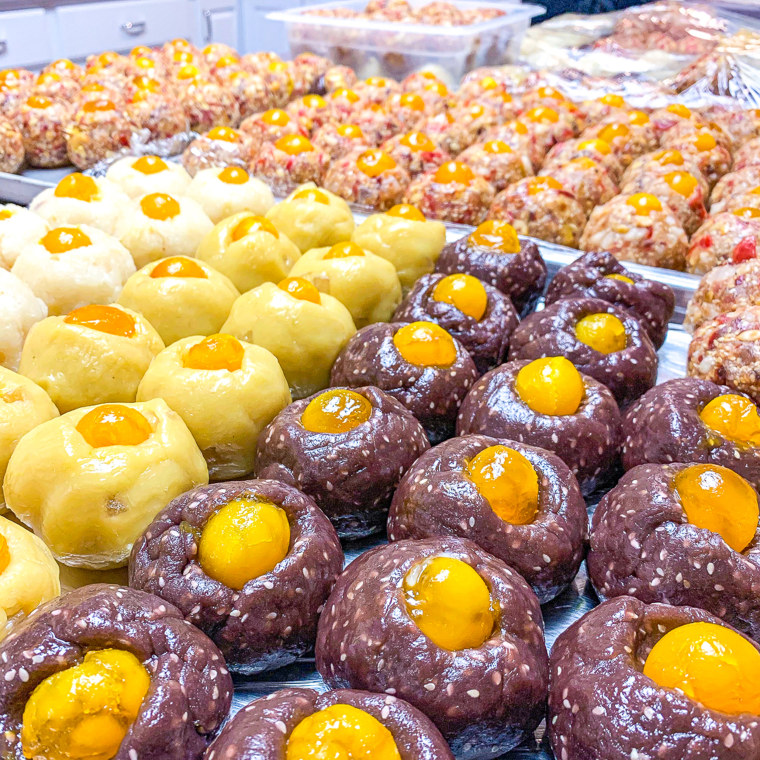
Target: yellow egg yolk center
682	182
498	235
106	319
159	206
464	292
551	386
78	186
597	145
613	131
454	171
719	500
178	266
85	711
336	411
294	145
374	162
417	141
311	194
149	165
344	250
352	131
341	732
406	211
450	603
251	224
275	117
216	352
233	175
64	239
604	333
300	289
709	663
425	344
734	417
243	540
114	425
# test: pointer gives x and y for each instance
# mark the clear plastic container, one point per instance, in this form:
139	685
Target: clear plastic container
382	48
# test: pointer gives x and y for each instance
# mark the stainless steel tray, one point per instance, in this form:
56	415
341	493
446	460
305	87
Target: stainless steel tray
560	613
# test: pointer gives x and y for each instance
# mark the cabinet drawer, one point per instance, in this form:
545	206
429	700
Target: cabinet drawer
25	38
95	27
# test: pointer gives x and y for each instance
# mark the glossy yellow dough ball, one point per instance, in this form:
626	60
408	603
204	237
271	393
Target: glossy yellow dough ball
93	355
225	390
89	482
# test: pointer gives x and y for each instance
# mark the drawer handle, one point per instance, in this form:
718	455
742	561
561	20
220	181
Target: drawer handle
3	47
134	28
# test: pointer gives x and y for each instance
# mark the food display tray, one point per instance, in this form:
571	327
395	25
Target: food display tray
558	614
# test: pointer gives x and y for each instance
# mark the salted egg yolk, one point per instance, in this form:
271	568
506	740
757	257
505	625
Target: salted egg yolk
679	110
717	499
233	175
425	344
352	131
85	711
682	182
604	333
597	144
454	171
496	147
294	145
611	99
275	117
344	251
734	417
507	481
417	141
551	386
747	212
542	114
242	540
709	663
100	105
336	411
252	224
644	203
638	118
159	206
149	165
178	266
412	101
312	194
39	102
374	162
464	292
667	157
299	288
106	319
342	732
5	213
64	239
342	93
704	141
78	186
500	236
613	131
114	425
538	185
450	603
406	211
216	352
225	134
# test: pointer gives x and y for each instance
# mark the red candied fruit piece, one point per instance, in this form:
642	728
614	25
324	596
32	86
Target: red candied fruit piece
744	250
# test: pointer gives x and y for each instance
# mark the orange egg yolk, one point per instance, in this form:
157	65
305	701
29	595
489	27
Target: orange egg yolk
644	203
551	386
488	83
217	352
613	131
106	319
245	539
301	289
542	114
639	118
5	213
107	58
343	250
251	224
704	141
98	106
497	147
454	171
64	239
225	134
145	63
619	277
717	499
78	186
275	117
140	51
311	194
734	417
538	185
450	603
159	206
417	141
603	332
294	145
233	175
85	711
226	61
48	77
411	101
376	82
550	92
178	266
465	292
583	162
747	212
498	235
710	664
679	110
667	157
189	70
374	162
149	165
314	101
344	94
682	182
39	102
342	732
351	131
616	101
598	145
425	344
336	411
145	85
406	211
114	425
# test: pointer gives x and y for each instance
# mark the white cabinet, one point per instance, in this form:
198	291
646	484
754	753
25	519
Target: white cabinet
261	34
219	23
26	38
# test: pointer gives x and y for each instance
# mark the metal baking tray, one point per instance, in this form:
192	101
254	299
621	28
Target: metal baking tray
558	614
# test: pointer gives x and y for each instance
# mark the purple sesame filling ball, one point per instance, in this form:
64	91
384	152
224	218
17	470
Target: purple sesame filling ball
264	729
548	403
599	274
478	315
249	562
347	449
73	647
447	627
601	340
532	515
494	254
672	551
419	364
602	705
693	420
